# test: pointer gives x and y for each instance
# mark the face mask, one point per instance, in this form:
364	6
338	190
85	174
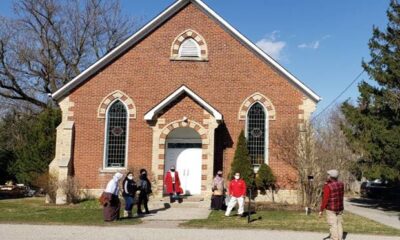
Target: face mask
144	174
130	177
219	175
172	169
237	177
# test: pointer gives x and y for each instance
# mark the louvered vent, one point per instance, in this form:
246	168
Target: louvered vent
189	48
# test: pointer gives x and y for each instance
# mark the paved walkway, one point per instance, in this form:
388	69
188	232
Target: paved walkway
389	218
46	232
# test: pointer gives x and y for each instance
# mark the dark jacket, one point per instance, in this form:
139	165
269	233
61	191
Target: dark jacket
129	188
144	185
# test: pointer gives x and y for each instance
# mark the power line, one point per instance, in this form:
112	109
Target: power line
334	100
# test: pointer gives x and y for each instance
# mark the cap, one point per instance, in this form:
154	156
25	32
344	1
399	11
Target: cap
333	173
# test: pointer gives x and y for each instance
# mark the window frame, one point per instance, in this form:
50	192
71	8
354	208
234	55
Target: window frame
266	135
105	148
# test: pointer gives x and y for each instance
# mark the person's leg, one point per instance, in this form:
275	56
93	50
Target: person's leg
241	205
332	221
231	204
145	201
340	225
139	205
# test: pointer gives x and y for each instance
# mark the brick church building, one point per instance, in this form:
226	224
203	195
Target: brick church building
177	92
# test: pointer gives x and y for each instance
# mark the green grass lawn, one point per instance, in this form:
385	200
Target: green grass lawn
34	210
291	220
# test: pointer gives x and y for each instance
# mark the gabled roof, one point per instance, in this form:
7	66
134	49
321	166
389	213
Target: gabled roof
153	112
156	22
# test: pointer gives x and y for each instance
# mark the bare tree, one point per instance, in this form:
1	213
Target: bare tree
51	41
312	149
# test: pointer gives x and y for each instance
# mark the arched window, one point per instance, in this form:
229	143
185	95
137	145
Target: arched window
257	134
116	136
189	49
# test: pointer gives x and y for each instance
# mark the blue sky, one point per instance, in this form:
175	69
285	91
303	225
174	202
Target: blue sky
321	42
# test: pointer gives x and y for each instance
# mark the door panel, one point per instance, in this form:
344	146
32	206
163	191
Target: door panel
187	162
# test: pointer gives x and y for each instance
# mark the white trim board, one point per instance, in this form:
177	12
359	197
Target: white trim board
159	20
150	114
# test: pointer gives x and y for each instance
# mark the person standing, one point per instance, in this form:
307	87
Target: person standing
145	191
237	192
332	202
172	184
218	188
129	191
110	198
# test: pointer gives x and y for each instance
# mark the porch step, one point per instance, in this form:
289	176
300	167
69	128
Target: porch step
187	202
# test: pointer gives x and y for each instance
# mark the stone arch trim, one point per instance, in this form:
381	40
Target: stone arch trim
189	33
263	100
179	124
123	97
207	150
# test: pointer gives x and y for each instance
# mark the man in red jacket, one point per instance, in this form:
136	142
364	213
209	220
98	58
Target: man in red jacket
333	203
237	192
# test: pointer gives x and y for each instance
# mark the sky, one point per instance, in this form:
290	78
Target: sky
321	42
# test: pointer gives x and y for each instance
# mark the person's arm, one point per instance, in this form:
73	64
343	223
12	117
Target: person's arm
126	187
325	198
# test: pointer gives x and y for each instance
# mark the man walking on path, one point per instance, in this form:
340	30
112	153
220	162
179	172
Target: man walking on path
237	192
333	203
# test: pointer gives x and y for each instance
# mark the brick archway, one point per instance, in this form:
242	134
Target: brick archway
196	37
102	109
263	100
203	133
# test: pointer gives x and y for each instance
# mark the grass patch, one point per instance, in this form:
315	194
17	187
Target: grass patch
34	210
291	220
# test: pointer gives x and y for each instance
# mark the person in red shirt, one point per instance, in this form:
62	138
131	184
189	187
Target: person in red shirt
237	192
332	202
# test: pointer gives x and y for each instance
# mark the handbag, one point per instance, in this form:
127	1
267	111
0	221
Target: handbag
227	200
103	199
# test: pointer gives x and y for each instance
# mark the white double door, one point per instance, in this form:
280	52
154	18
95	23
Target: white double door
187	162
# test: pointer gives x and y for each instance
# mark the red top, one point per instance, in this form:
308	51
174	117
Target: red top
169	188
237	188
333	196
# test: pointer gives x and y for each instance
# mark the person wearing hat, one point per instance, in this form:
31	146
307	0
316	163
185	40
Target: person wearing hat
218	188
110	199
332	202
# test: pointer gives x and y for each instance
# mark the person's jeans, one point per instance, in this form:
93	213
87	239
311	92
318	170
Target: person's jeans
335	221
232	203
129	200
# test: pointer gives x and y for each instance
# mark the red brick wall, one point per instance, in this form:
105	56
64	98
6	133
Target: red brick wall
147	75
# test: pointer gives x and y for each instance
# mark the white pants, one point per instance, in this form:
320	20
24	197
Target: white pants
232	203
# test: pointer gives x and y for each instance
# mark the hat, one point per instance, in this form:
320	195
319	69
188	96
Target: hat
118	176
333	173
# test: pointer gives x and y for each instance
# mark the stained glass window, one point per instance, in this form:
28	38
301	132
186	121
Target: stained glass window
116	135
256	134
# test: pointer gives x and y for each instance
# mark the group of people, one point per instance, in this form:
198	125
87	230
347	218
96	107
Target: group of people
237	193
110	200
332	202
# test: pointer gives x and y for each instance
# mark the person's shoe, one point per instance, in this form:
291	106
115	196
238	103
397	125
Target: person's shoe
130	215
126	214
140	213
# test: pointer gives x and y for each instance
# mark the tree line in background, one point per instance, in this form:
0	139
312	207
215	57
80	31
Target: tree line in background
42	47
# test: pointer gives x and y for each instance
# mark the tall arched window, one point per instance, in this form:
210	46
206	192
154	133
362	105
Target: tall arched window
189	48
257	134
116	136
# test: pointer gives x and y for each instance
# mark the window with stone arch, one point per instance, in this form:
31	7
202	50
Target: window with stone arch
189	45
257	134
116	135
